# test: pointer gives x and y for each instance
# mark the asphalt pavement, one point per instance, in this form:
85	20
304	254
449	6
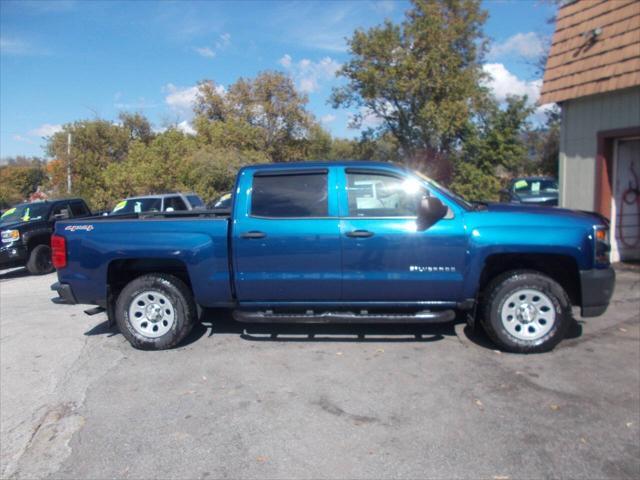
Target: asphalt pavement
264	401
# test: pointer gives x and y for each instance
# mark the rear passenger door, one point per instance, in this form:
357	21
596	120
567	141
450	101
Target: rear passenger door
286	241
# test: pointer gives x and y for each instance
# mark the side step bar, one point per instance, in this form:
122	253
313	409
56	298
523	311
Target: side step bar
310	316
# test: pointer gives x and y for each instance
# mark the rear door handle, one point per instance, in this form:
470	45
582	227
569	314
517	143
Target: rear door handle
360	234
253	234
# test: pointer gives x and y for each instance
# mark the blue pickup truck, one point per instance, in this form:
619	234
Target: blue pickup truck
340	242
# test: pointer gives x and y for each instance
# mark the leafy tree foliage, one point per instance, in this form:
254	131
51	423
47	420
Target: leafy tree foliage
19	178
422	78
493	142
267	108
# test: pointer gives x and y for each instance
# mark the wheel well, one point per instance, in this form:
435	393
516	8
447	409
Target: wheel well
39	239
121	272
563	269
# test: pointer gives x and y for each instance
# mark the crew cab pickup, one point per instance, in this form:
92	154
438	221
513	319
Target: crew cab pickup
340	242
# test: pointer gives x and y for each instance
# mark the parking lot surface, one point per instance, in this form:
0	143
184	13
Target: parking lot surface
247	401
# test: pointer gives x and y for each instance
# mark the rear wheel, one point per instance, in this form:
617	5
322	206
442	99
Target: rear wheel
155	311
39	261
526	312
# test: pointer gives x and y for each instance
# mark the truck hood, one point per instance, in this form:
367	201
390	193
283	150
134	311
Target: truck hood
582	217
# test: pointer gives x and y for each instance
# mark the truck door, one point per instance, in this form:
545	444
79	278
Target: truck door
285	236
385	257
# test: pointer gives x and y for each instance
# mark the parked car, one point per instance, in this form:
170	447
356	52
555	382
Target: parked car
532	191
223	201
166	202
26	231
315	242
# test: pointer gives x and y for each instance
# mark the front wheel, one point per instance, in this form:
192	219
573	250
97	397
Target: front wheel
526	312
155	311
39	261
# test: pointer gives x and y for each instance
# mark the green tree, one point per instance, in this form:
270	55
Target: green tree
493	142
96	144
19	180
138	126
544	143
421	78
268	107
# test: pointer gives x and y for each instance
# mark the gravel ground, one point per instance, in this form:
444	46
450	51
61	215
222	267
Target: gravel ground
244	401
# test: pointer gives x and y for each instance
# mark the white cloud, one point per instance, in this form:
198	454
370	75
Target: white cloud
309	74
16	46
224	40
285	61
205	52
504	83
181	99
20	138
384	6
186	127
45	130
328	118
528	45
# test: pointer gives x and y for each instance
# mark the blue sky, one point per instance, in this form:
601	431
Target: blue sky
62	61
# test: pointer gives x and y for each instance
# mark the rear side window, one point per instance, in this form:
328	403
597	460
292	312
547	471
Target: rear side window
79	209
195	201
175	203
291	195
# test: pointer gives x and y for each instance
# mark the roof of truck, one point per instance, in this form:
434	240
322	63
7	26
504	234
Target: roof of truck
327	163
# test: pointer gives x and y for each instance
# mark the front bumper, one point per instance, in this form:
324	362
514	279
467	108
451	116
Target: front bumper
597	287
65	294
13	256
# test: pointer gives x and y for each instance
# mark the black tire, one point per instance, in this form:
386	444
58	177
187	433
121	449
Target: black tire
39	261
176	292
506	285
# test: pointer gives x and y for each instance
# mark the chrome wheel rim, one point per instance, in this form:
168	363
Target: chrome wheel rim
151	314
528	314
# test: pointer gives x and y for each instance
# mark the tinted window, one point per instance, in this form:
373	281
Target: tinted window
379	195
195	201
137	205
57	209
175	203
296	195
79	209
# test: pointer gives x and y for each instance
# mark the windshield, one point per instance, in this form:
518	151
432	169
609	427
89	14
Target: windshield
138	205
535	186
454	196
26	212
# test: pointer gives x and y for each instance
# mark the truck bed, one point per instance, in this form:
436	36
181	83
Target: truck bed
195	241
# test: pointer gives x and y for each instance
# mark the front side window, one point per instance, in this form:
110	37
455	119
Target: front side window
380	195
291	195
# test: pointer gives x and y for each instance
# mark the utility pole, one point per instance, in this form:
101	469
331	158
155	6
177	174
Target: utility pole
68	163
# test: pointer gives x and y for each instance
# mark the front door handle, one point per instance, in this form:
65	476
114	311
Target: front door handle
253	234
360	234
